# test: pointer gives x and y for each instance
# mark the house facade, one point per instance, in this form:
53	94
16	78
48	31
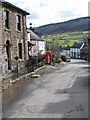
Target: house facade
37	44
41	45
75	50
0	37
14	37
84	51
66	51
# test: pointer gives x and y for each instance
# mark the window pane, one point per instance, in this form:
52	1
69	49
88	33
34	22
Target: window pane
6	19
5	15
18	22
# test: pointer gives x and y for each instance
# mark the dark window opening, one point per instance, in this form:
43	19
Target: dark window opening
18	23
6	21
20	50
8	51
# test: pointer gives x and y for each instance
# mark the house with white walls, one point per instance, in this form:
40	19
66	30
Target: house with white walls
41	45
75	50
66	51
37	43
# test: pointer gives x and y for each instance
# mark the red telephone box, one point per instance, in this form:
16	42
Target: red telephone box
48	58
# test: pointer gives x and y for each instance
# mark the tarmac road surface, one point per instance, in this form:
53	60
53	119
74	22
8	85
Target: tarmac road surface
60	93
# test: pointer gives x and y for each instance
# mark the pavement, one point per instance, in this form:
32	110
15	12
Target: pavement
62	92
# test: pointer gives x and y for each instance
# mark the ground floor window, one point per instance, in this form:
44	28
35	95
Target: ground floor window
20	50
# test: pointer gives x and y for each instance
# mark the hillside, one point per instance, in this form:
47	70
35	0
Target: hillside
64	39
80	24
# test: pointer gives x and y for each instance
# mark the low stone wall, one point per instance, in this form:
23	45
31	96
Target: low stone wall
40	70
7	80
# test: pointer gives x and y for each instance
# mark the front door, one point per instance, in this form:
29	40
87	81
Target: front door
8	54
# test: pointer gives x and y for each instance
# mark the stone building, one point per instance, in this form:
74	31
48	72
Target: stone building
0	38
13	37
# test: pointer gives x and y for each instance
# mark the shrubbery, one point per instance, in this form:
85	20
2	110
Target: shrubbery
58	60
64	58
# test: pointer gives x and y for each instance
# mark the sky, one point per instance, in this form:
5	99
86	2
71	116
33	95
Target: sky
52	11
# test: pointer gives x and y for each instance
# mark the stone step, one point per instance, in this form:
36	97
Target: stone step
35	76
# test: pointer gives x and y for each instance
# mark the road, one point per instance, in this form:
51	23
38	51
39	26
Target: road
60	93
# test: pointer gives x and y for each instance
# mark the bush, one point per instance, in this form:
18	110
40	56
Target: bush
64	58
58	60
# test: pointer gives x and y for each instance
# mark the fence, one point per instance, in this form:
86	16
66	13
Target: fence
32	64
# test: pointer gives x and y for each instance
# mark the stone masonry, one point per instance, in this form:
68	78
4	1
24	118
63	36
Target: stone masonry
14	36
0	37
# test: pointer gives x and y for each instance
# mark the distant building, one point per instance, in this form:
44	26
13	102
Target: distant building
41	45
75	50
84	51
66	51
37	43
13	37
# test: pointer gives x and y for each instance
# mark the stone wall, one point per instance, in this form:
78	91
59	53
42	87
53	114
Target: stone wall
0	39
0	59
8	81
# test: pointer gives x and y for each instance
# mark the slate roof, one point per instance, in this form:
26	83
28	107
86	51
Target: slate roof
34	36
77	45
13	6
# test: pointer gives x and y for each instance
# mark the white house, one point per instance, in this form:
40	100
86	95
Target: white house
30	44
76	49
36	42
66	51
41	45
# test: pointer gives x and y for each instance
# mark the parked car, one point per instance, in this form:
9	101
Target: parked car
85	57
68	59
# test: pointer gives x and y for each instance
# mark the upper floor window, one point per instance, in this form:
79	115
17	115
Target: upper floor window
18	23
6	21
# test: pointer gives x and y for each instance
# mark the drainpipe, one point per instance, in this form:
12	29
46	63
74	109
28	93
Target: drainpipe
24	39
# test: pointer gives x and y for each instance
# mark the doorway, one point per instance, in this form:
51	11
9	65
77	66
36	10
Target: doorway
8	51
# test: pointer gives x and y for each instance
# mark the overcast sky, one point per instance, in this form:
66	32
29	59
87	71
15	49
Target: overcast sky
52	11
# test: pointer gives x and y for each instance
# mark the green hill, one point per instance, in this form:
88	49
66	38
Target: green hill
64	39
80	24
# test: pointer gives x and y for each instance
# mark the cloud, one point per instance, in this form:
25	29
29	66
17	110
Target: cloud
27	8
42	4
67	13
52	11
33	15
15	3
